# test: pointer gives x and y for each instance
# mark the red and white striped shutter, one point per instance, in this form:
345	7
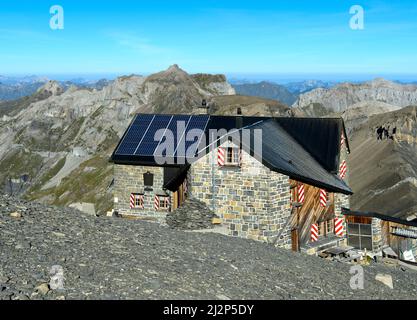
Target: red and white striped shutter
156	203
343	169
141	201
220	156
301	193
185	186
342	140
339	227
323	198
132	201
314	232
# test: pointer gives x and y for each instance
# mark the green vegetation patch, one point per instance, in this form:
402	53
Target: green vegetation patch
48	175
89	183
19	162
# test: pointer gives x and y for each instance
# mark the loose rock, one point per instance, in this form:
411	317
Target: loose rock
16	215
385	279
42	288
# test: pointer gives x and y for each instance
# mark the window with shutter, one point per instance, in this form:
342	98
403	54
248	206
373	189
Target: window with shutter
136	201
232	157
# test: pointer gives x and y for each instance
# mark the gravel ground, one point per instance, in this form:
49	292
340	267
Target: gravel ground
112	258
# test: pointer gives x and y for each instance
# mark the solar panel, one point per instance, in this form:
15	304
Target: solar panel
196	122
134	134
148	144
140	140
177	126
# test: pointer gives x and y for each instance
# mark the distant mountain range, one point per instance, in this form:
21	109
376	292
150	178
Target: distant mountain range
285	93
16	87
300	87
12	88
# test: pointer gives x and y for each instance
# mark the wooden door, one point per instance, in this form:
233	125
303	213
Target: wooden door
295	240
175	200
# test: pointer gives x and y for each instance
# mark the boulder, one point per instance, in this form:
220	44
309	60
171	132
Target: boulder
42	288
385	279
16	215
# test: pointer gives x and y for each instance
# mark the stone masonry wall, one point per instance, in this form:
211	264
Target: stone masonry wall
253	201
129	179
376	234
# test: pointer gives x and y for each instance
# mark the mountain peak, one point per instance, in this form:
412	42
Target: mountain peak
173	73
52	87
174	67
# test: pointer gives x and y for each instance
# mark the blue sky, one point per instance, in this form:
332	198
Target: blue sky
232	37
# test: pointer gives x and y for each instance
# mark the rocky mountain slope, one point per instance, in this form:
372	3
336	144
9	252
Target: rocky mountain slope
114	258
342	96
360	113
384	173
250	106
55	144
267	90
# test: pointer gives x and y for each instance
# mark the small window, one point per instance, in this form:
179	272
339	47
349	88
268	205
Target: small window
326	228
136	201
360	236
162	203
232	156
330	226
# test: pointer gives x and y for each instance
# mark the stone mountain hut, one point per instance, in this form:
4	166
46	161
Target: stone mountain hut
282	182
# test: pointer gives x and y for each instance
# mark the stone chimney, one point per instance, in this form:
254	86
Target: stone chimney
203	108
239	119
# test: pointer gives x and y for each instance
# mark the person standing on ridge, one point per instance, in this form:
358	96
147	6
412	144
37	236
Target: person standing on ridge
379	133
386	133
394	131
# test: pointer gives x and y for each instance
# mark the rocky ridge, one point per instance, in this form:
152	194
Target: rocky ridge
342	96
384	173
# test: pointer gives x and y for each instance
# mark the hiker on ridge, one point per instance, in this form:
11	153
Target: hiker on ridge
386	132
394	131
379	132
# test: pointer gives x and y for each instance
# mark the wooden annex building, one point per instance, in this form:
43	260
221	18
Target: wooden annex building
392	234
290	194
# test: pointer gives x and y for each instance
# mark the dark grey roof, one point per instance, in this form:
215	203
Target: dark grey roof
304	149
319	136
401	219
282	153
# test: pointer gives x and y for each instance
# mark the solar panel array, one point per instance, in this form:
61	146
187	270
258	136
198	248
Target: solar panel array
139	139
